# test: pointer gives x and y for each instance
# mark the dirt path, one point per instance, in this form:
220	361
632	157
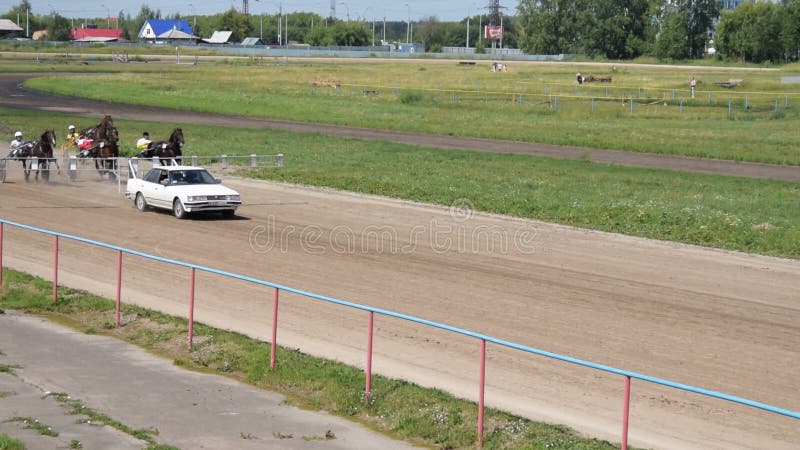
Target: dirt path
12	95
719	320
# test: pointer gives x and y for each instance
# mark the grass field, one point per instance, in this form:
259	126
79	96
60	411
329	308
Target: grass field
758	216
645	109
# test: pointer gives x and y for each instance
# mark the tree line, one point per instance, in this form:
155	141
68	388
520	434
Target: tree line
756	31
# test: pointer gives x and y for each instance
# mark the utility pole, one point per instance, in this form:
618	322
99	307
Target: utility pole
467	28
245	7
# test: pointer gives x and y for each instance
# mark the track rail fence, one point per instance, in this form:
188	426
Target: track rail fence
482	339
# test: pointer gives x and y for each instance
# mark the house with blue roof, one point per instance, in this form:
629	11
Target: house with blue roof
158	28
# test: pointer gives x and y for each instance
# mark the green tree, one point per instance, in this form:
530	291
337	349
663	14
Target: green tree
753	32
547	25
59	28
671	42
351	34
431	33
617	28
237	23
790	29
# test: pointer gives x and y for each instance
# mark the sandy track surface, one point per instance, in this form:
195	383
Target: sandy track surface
715	319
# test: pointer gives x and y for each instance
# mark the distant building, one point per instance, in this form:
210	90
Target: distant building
219	37
95	34
8	25
154	28
252	42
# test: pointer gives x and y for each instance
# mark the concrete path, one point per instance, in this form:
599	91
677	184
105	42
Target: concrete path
189	410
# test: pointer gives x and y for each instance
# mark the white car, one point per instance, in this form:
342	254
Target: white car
182	189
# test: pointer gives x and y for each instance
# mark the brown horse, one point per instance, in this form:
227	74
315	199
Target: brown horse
99	131
41	149
166	150
105	152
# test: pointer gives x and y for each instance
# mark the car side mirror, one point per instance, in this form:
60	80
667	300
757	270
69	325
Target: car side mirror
217	181
164	182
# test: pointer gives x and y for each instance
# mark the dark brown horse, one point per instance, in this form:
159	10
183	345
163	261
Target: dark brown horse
166	150
100	131
105	153
42	150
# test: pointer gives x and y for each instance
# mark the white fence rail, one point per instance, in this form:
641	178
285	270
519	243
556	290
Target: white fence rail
118	169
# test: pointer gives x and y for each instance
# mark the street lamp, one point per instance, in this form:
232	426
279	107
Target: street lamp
408	23
194	23
348	10
468	27
108	16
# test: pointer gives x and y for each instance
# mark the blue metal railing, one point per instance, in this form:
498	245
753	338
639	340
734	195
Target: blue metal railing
461	331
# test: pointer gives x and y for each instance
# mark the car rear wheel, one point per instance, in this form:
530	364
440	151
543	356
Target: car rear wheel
177	209
140	202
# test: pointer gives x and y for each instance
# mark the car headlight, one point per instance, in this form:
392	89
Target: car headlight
235	198
196	198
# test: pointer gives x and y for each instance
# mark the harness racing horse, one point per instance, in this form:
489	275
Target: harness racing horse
104	146
105	153
99	131
166	150
41	149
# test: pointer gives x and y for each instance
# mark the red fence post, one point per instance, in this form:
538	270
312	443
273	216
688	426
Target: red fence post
481	388
625	413
55	269
368	392
191	308
1	255
274	346
119	287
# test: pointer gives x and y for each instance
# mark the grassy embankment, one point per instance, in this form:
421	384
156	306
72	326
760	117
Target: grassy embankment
757	216
424	416
532	103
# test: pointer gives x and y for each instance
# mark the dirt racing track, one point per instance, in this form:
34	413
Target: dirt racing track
719	320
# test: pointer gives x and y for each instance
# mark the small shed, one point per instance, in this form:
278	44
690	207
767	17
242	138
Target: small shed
9	25
252	42
219	37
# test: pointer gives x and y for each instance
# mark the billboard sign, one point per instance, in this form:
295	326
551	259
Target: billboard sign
493	32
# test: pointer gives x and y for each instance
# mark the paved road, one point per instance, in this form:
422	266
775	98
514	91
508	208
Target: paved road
13	95
190	410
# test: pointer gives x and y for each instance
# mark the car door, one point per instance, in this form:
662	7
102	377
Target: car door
145	185
162	198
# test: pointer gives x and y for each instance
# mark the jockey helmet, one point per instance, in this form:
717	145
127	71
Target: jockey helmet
18	134
71	127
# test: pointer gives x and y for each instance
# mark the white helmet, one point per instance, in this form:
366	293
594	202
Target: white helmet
18	134
71	127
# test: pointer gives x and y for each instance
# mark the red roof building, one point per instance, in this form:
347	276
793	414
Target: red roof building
95	34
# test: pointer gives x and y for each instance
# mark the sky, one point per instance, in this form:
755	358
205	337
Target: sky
444	10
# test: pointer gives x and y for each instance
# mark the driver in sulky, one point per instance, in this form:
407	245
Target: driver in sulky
16	143
72	136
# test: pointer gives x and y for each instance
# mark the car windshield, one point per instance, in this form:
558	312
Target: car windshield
199	176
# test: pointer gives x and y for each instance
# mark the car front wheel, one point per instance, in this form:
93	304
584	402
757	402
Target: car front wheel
140	202
177	209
